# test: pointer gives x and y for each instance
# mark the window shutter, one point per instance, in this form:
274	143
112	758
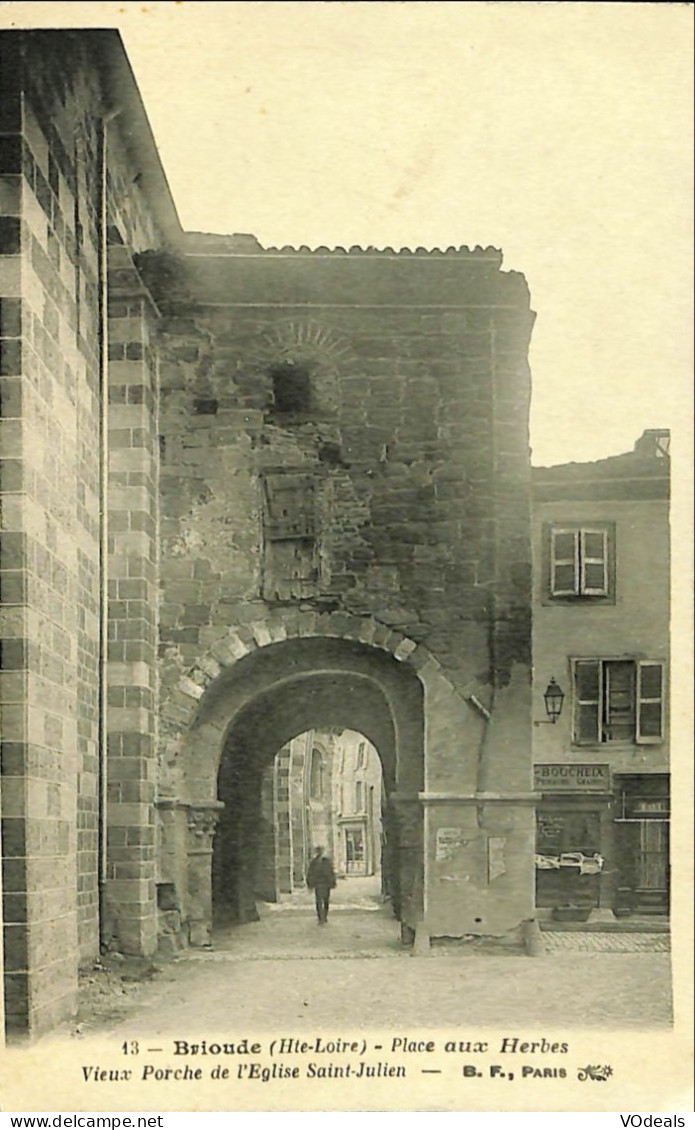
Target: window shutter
620	698
587	701
564	562
290	560
650	702
593	555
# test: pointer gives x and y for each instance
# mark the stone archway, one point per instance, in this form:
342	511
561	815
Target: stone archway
329	683
472	800
251	709
247	663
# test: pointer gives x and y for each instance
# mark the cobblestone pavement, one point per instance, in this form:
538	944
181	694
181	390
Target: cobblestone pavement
596	942
286	971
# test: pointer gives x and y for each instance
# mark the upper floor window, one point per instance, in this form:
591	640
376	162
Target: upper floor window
580	561
361	755
359	796
618	700
316	776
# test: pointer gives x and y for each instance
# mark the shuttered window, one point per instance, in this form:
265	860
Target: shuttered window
588	703
617	700
650	702
579	561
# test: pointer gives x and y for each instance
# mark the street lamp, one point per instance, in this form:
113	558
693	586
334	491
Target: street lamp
553	698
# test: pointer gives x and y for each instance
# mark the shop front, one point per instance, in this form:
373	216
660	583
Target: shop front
642	813
602	841
573	838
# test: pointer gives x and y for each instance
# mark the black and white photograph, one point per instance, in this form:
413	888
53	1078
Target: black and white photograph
345	386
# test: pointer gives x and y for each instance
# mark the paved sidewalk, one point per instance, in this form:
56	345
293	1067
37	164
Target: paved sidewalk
595	941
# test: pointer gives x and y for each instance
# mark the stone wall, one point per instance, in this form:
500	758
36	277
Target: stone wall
50	539
53	206
345	434
414	441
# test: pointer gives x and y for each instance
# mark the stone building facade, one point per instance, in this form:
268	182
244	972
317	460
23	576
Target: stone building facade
601	630
246	493
323	788
358	836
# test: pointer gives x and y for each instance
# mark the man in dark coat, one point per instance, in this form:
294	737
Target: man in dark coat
321	877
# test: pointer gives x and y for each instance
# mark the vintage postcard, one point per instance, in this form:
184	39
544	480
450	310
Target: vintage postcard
345	382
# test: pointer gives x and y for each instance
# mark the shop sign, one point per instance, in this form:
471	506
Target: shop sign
572	778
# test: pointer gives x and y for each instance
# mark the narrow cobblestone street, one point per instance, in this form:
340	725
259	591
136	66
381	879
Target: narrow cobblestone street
286	971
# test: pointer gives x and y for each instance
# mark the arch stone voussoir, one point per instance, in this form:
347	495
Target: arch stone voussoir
277	629
261	633
279	625
238	646
307	624
210	666
405	649
222	653
191	687
367	629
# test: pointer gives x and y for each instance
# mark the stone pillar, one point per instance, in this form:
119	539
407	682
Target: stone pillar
133	603
478	849
300	812
404	857
202	821
266	886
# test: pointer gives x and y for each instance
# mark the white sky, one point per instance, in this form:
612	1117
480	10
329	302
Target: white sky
558	132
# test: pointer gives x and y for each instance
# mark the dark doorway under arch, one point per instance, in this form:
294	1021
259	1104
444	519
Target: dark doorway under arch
323	684
322	789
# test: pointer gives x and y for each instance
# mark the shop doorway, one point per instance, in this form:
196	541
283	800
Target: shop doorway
642	845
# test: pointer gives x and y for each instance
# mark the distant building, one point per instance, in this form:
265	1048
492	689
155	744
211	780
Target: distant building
357	807
323	789
601	631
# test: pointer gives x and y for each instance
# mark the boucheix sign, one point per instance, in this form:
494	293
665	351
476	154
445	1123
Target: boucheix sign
579	777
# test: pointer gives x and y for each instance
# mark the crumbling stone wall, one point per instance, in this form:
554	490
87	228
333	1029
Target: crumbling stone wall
414	441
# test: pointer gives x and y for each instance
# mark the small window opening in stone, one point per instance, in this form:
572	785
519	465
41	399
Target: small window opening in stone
291	389
166	896
205	407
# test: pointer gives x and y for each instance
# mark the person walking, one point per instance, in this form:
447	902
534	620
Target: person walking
321	877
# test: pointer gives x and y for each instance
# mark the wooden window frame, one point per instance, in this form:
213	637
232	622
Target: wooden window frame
641	700
580	592
599	702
